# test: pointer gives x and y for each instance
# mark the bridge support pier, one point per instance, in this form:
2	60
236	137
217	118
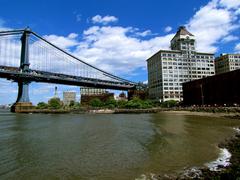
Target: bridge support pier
23	103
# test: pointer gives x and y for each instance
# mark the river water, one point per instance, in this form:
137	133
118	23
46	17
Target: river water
106	146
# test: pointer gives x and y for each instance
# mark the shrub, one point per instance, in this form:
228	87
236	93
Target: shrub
134	103
42	105
111	103
71	104
121	103
54	103
96	102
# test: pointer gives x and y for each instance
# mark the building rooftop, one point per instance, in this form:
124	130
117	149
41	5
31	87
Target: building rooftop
164	51
183	31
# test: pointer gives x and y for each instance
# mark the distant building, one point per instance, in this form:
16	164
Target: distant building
121	96
92	91
168	69
87	94
68	97
221	89
227	62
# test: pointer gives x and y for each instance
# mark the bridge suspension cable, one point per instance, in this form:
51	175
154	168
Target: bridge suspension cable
80	68
48	59
10	49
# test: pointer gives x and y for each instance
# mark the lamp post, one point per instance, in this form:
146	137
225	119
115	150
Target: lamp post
202	96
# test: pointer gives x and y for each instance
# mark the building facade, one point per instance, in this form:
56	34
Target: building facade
92	91
222	89
88	94
69	97
227	62
168	69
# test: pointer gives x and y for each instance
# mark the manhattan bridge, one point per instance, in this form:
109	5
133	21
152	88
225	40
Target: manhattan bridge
26	57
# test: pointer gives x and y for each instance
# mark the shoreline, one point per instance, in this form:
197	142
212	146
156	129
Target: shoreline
226	166
232	171
232	115
232	112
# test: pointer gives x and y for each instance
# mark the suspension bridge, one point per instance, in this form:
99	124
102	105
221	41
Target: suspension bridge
27	57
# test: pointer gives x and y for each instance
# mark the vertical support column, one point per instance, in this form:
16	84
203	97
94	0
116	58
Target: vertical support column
23	92
24	63
23	103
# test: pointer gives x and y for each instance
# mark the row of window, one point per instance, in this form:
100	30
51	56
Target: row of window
173	88
186	67
172	96
235	56
192	56
187	60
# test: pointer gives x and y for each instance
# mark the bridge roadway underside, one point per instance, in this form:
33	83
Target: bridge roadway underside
66	80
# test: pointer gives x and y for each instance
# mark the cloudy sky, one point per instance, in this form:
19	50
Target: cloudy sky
119	35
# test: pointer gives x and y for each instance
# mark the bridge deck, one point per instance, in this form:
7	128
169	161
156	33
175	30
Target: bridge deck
15	74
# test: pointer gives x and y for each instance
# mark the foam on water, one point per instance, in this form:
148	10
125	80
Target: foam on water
237	129
222	161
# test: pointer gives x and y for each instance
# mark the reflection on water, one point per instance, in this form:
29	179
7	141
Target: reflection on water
111	146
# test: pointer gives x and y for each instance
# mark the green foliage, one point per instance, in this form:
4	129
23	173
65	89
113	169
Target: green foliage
169	104
77	104
110	103
147	104
42	105
96	102
71	104
54	103
121	104
137	103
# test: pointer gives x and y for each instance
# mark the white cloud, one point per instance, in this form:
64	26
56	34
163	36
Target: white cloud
237	48
121	50
104	20
167	29
229	38
61	41
230	3
118	49
72	35
211	23
237	12
144	33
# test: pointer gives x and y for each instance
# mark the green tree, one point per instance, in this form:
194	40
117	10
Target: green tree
111	103
54	103
76	105
121	104
42	105
134	103
71	104
147	104
96	102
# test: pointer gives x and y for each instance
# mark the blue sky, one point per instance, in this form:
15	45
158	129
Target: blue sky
119	35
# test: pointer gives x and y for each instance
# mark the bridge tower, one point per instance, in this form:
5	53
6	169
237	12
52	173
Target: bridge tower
23	101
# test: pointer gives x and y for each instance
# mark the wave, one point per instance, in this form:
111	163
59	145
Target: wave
221	162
